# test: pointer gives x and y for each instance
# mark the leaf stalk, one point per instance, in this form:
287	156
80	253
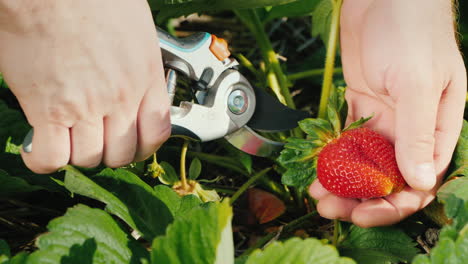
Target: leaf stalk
330	58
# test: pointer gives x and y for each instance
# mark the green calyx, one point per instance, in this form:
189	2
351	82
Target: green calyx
299	156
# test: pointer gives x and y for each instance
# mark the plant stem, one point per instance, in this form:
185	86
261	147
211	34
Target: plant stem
290	227
298	197
217	160
336	232
330	58
311	73
183	155
223	190
248	183
278	82
247	64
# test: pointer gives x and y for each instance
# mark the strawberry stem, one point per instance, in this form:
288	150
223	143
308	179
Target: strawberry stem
288	228
311	73
336	232
248	183
183	174
330	58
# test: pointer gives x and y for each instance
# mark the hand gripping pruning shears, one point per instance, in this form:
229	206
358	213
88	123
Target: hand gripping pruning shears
226	103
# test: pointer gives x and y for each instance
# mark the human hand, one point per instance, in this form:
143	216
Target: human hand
401	63
89	77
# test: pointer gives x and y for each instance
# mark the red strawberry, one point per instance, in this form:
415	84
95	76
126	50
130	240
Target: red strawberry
351	162
359	163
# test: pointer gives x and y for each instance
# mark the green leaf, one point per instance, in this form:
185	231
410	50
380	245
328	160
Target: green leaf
11	147
321	20
169	176
299	174
168	10
294	9
460	156
452	248
334	118
457	187
86	235
337	103
126	196
316	128
358	123
13	126
454	196
195	169
297	251
241	260
299	159
301	150
20	258
246	160
4	248
14	166
203	235
10	185
176	204
303	144
3	84
460	172
187	203
378	245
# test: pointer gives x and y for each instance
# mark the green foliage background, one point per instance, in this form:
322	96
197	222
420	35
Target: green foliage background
125	216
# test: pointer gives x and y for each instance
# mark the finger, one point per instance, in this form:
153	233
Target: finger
391	209
153	117
317	191
51	149
87	141
415	120
334	207
120	139
361	105
449	120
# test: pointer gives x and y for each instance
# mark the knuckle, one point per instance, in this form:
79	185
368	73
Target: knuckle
47	165
64	111
423	142
151	145
163	134
403	78
86	163
116	163
124	95
363	223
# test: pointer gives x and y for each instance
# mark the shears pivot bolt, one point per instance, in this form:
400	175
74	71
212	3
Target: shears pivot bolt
238	102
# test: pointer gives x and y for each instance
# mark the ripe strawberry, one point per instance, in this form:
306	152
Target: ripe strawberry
351	162
360	163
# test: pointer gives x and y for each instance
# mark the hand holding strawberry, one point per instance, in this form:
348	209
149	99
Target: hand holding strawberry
416	96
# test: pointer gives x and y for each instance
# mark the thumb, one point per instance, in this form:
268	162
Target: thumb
415	124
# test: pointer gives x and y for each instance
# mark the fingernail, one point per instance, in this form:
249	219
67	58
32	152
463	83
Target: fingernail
425	177
27	142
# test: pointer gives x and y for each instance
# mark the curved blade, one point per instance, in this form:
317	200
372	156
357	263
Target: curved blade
252	143
272	116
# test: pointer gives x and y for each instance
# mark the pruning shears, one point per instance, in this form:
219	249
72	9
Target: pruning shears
226	104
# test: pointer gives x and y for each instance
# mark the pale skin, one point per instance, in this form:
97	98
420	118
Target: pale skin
89	78
402	64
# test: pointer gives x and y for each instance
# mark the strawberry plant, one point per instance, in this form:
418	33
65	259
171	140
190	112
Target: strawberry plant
211	203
